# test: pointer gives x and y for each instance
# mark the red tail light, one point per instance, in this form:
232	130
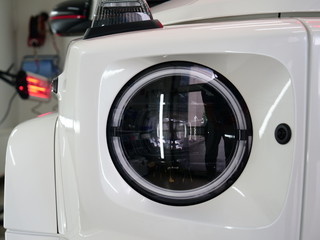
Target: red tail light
68	17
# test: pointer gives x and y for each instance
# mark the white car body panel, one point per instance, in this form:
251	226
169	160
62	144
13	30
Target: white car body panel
122	212
30	202
311	206
180	11
29	236
79	194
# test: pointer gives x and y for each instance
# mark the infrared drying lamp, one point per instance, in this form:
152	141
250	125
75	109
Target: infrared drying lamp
27	84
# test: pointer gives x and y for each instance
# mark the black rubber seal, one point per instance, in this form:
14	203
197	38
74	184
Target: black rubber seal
121	28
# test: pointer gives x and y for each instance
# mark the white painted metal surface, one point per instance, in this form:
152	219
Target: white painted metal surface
178	11
30	236
266	200
30	202
311	208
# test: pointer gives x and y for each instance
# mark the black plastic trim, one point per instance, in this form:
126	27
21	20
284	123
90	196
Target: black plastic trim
121	28
54	85
283	133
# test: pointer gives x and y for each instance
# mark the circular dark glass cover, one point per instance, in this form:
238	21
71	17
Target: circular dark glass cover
179	133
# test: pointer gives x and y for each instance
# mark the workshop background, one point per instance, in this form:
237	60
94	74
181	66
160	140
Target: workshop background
15	16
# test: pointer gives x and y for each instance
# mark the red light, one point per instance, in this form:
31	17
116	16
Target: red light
67	17
37	87
44	114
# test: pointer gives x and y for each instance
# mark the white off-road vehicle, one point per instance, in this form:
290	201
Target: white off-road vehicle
199	122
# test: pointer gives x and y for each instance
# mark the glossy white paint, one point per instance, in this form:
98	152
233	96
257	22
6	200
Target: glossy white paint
266	60
311	209
30	203
178	11
30	236
4	135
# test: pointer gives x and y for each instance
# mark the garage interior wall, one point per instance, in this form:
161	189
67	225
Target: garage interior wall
14	25
7	53
22	12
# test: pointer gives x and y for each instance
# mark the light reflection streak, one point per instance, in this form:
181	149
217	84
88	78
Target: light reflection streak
11	156
111	73
282	25
10	148
278	28
70	124
66	122
272	108
238	191
161	125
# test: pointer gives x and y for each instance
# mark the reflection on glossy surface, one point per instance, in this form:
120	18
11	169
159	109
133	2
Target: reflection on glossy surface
180	132
272	108
238	191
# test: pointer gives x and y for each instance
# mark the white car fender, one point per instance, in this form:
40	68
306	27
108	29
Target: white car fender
30	177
